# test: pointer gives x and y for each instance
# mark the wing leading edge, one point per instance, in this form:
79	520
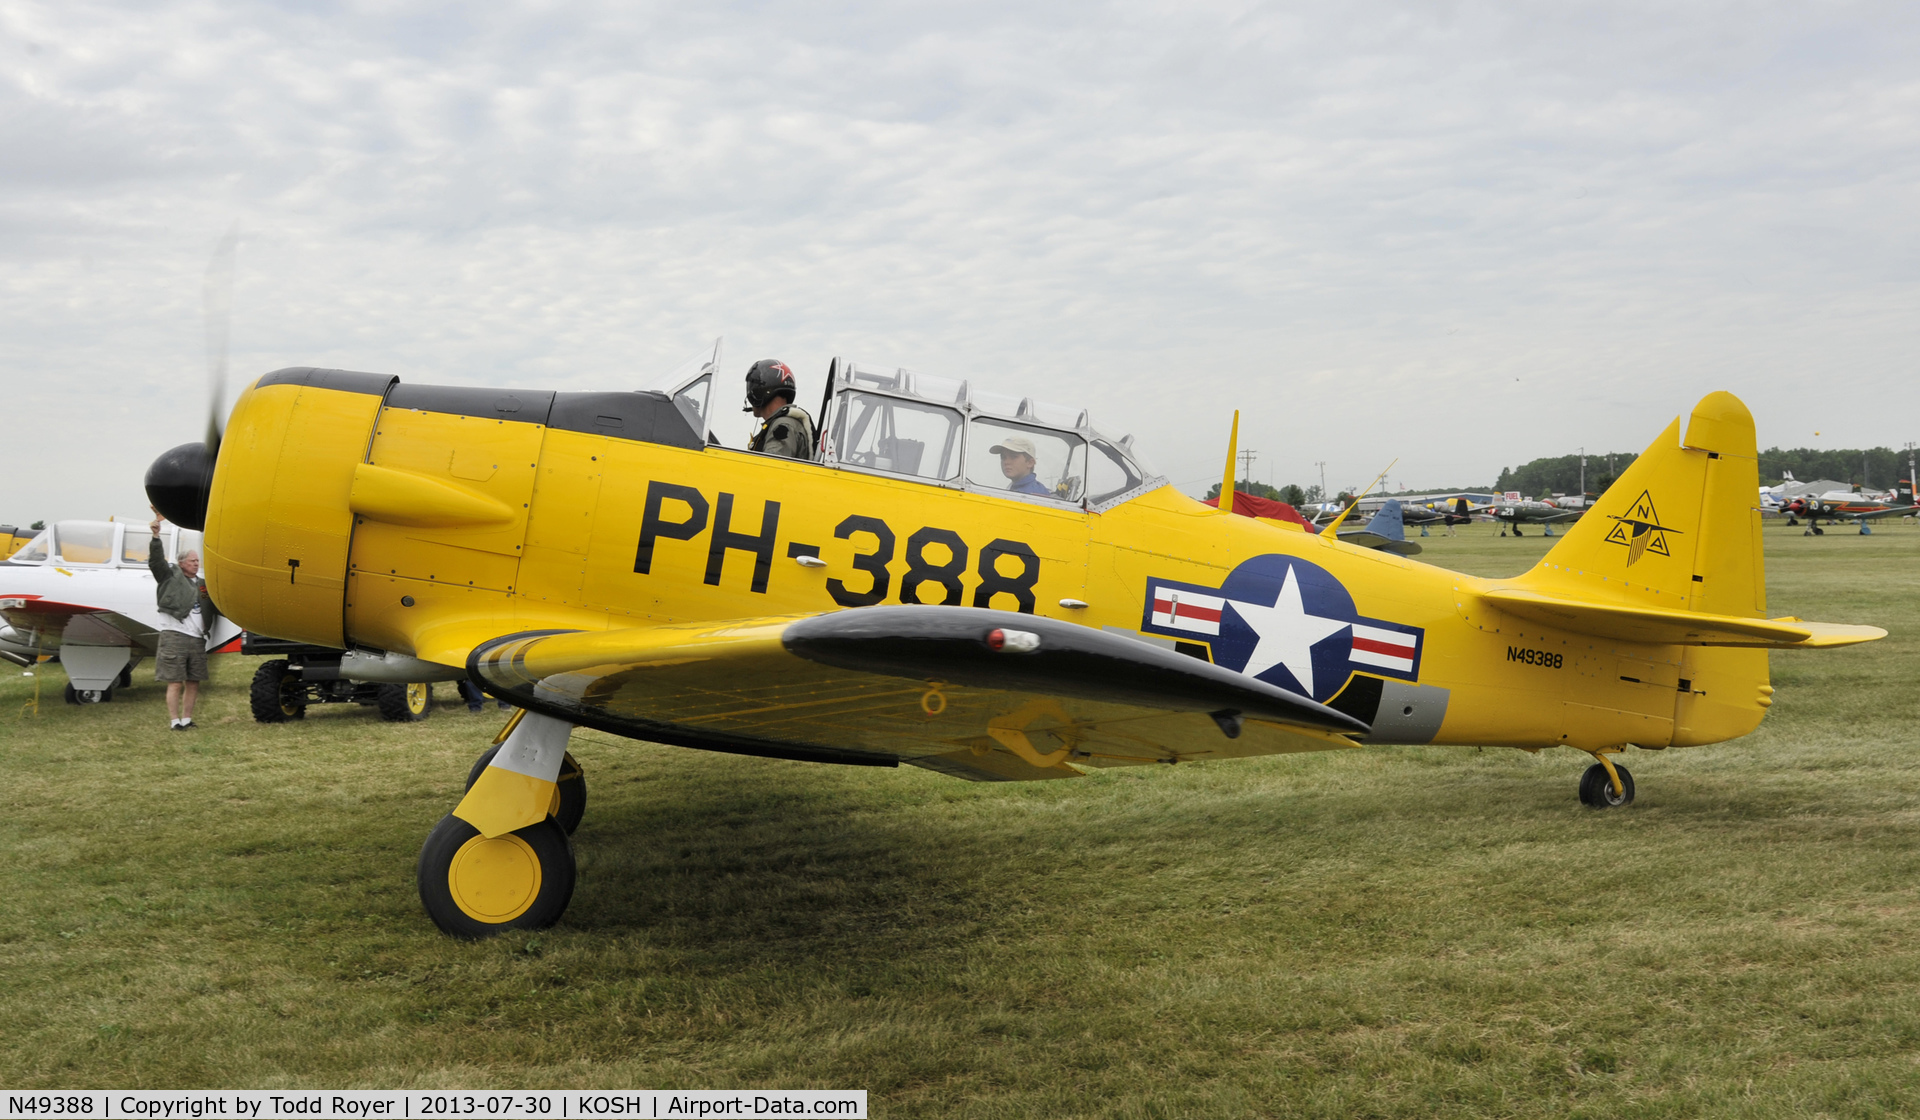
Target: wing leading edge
921	685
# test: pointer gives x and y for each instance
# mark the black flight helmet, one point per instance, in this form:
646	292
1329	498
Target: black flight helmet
769	378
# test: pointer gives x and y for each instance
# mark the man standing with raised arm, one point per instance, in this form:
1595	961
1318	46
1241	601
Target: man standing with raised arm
187	615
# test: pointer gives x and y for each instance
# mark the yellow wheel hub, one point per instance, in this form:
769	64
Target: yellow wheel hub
417	698
495	880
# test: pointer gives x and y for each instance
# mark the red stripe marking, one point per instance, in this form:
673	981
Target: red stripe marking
36	605
1372	645
1185	610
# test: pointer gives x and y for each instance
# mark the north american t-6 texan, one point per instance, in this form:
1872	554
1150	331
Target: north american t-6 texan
594	559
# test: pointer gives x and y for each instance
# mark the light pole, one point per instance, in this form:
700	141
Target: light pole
1322	464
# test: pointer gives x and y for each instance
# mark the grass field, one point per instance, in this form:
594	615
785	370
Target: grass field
1391	932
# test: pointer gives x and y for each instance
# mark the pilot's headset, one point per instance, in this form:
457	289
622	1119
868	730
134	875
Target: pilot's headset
767	379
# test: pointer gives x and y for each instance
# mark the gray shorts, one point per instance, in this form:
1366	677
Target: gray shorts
182	657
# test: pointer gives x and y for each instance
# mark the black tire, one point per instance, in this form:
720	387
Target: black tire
1596	791
277	694
474	888
572	784
125	679
70	695
405	703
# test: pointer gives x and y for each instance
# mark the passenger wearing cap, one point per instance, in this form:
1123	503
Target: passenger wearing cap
1017	463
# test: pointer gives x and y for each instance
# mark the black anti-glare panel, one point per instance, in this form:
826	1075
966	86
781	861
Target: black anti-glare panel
528	406
649	417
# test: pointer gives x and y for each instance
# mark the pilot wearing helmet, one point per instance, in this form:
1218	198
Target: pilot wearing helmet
786	430
1017	463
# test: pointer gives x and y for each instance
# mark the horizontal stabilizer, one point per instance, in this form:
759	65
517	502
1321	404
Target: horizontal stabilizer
1676	627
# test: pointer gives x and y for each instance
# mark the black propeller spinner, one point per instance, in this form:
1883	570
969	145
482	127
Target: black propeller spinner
180	482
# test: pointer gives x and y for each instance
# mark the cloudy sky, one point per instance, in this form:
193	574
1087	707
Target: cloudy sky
1458	234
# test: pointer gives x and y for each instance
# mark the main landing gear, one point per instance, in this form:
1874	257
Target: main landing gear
502	859
1597	789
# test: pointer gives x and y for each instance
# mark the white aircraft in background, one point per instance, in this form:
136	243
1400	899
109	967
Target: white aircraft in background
82	590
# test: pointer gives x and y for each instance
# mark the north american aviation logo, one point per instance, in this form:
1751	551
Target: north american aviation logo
1640	530
1286	622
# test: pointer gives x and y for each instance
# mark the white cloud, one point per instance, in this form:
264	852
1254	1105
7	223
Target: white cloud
1461	234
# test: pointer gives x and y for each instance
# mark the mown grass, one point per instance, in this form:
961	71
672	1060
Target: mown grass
1394	932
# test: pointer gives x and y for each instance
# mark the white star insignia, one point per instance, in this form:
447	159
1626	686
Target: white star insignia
1287	634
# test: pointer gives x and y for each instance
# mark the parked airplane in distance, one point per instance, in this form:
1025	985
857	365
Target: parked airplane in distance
1836	506
1546	514
81	590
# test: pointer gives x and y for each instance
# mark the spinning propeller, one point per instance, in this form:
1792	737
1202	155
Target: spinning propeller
180	481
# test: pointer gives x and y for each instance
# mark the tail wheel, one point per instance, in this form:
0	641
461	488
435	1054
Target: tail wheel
74	695
405	703
1596	789
277	694
571	786
474	887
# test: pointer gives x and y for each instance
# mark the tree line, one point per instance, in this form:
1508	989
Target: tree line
1292	495
1560	474
1876	468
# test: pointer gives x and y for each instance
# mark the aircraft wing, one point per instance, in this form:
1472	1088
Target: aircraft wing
915	684
1368	539
57	623
1875	514
1653	624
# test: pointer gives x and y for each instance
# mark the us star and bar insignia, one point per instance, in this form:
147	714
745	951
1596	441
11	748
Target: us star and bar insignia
1287	622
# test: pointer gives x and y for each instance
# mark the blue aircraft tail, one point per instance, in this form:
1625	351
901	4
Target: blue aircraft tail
1389	522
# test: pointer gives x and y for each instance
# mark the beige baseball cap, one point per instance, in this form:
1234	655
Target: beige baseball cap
1014	445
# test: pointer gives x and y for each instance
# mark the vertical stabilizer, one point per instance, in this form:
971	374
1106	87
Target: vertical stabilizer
1389	521
1680	529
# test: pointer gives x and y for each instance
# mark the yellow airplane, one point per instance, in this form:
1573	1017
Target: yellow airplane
593	559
